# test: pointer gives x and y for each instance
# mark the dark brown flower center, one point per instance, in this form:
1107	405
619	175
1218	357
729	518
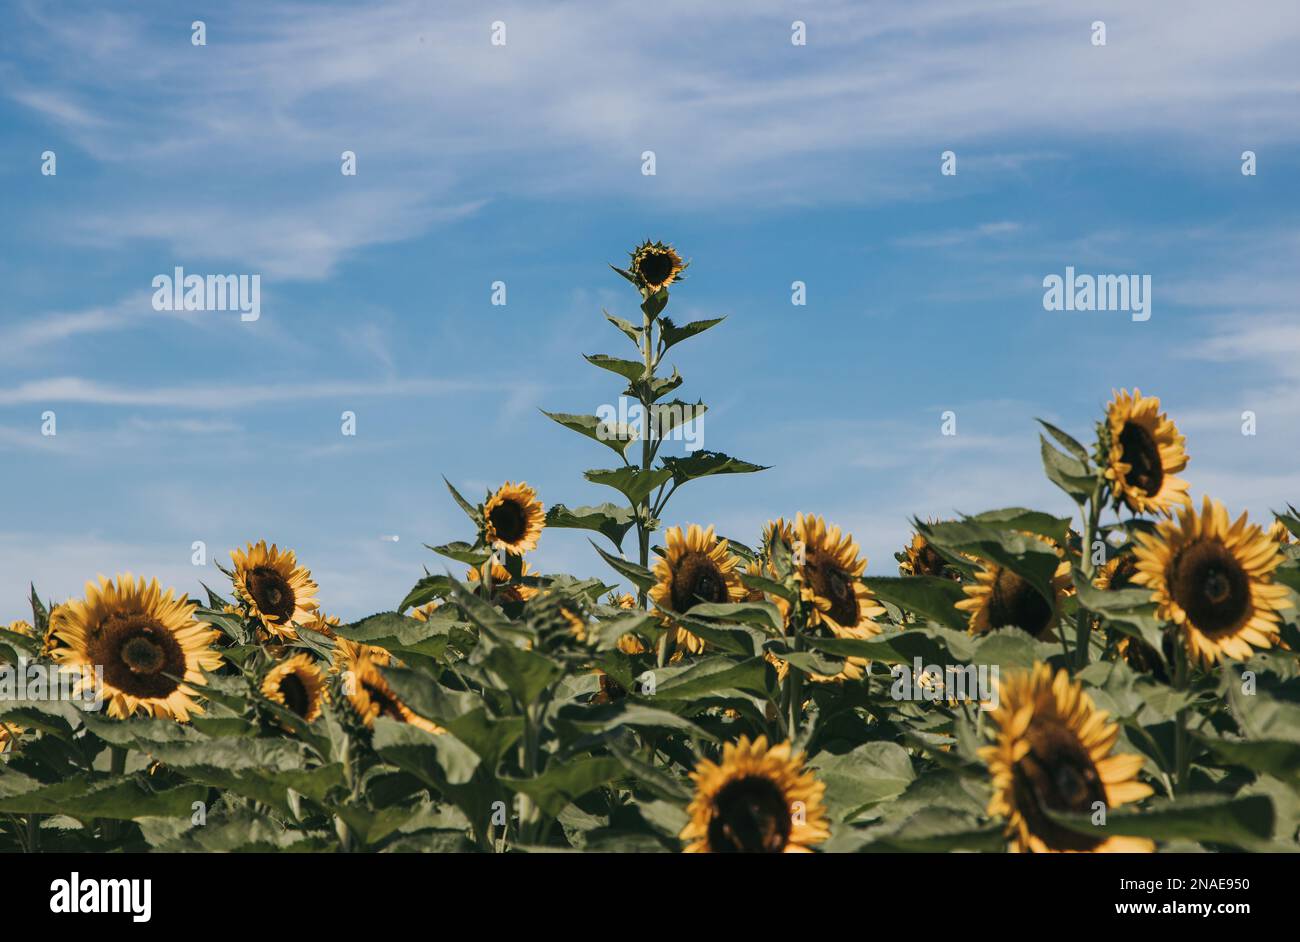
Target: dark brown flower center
274	596
295	694
835	585
1057	774
382	698
1211	586
508	521
1121	577
928	562
1013	601
697	579
1140	452
655	267
750	816
137	654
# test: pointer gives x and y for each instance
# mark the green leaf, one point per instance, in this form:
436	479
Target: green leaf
1073	447
82	797
631	370
934	830
874	771
713	676
630	330
633	483
611	520
762	615
929	596
415	750
1067	473
704	463
1212	819
390	630
608	717
666	416
425	591
672	335
463	553
561	783
614	436
471	511
638	576
525	673
1276	757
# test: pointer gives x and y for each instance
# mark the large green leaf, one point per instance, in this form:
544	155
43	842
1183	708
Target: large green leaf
874	771
672	335
928	596
609	519
562	782
635	484
639	577
85	798
630	370
705	463
615	436
1213	819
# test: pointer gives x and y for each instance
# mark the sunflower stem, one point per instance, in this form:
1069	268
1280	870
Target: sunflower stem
33	833
116	767
1083	618
1181	764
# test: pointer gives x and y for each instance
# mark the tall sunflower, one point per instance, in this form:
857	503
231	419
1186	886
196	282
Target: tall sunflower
278	592
1145	452
1214	580
149	644
695	568
656	265
367	690
296	684
514	518
999	598
1053	753
756	800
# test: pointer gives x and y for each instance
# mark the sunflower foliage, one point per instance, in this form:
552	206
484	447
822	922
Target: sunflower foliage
1114	673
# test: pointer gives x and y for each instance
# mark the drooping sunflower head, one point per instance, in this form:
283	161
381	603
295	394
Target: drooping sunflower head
513	518
755	800
371	697
1144	453
147	642
503	588
298	685
695	567
656	265
919	558
1214	580
1054	753
829	575
1000	597
278	592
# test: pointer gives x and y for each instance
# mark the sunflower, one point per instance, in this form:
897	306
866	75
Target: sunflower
278	592
695	568
502	587
371	697
1145	451
1278	533
347	653
656	266
919	558
514	518
425	611
297	685
10	733
147	642
322	624
21	627
1117	573
756	800
1214	580
1000	597
1053	753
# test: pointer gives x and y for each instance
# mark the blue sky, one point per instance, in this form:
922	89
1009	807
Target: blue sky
522	163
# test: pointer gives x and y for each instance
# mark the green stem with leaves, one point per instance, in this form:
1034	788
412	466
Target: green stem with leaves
1083	618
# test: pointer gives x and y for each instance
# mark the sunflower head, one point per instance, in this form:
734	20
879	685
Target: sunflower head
1278	533
695	567
370	695
322	624
1117	573
1144	451
919	558
513	518
147	642
10	733
655	266
21	627
1000	597
829	576
755	800
276	590
1053	753
503	589
298	685
1213	579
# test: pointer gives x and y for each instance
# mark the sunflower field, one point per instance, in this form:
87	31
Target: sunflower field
1115	673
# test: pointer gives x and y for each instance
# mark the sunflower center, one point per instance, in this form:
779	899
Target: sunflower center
1014	601
271	591
835	585
697	580
750	816
930	563
386	703
508	521
655	267
295	694
138	653
1057	774
1124	572
1211	586
1141	453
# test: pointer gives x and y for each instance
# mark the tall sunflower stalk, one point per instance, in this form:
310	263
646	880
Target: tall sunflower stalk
645	485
